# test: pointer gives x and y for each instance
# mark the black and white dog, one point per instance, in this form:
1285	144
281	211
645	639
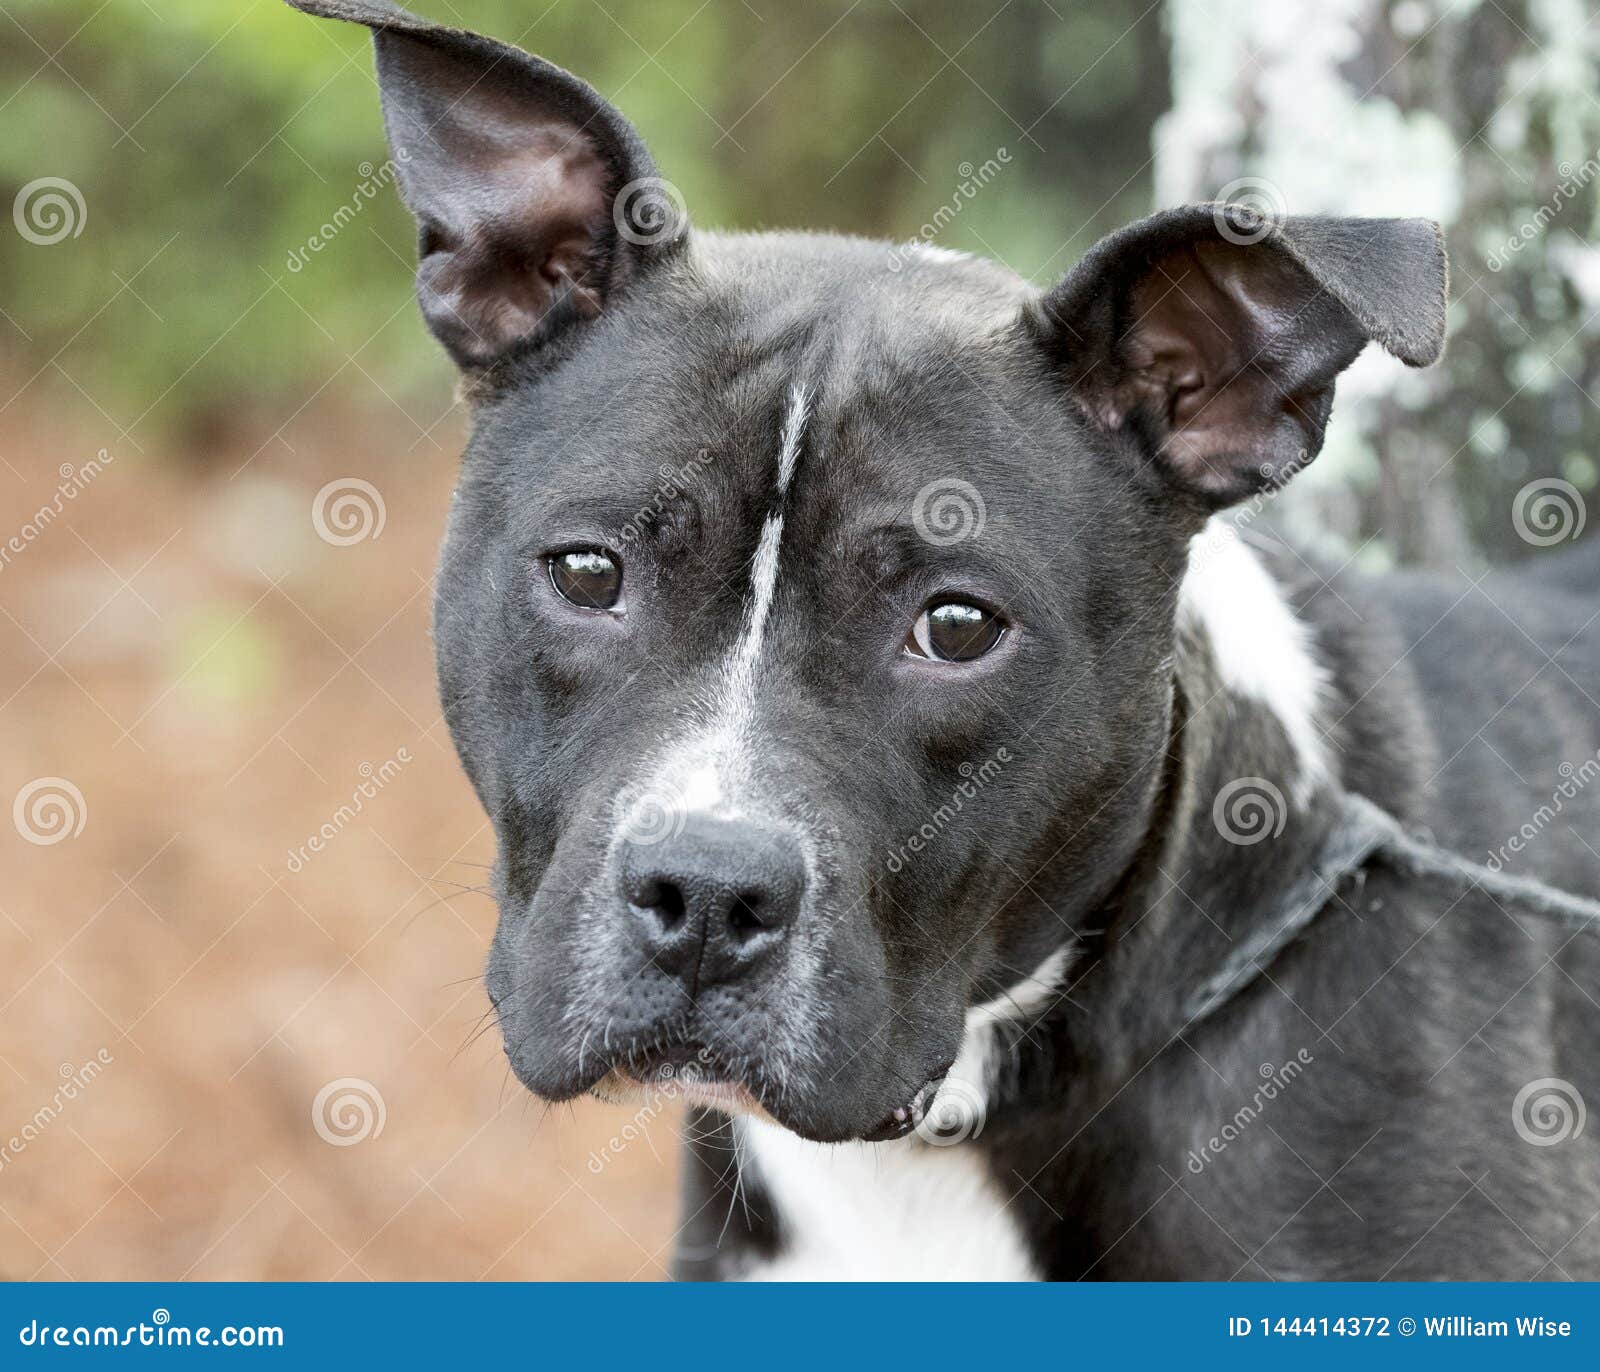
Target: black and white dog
878	728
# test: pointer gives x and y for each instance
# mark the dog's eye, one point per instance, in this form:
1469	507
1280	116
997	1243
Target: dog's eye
954	631
588	578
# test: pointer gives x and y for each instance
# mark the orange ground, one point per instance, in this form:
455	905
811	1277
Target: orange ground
212	677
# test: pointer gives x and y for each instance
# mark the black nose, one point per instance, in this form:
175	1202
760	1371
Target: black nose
713	898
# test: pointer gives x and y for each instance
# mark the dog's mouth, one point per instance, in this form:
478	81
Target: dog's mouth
903	1119
683	1072
694	1075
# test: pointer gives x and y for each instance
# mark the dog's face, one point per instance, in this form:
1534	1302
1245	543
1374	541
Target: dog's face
805	615
767	756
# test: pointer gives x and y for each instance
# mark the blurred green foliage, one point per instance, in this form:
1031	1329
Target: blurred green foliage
211	141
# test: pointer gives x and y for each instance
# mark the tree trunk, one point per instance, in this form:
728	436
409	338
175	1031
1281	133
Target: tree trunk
1483	117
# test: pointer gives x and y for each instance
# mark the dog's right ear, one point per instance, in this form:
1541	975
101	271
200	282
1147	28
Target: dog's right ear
535	201
1208	338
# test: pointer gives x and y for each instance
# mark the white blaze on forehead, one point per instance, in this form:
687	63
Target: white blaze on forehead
794	427
738	692
706	770
1262	649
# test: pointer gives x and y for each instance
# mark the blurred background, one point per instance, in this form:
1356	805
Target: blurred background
241	922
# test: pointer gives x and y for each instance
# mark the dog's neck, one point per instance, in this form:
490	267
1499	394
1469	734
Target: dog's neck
1249	796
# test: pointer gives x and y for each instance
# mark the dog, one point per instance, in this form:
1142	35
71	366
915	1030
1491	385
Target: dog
886	730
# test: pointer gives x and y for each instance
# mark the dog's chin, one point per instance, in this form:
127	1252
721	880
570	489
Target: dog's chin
652	1090
621	1087
659	1075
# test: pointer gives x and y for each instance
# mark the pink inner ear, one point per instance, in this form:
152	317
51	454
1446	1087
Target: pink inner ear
509	166
552	199
1202	354
521	220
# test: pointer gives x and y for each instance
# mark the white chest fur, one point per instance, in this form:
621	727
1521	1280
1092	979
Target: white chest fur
900	1211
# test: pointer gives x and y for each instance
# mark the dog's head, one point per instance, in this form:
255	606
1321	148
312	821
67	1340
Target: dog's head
806	615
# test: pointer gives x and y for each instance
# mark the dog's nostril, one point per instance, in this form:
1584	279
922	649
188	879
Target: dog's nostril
664	898
714	899
744	913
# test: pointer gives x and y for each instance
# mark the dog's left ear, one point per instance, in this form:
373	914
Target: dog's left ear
535	200
1211	336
